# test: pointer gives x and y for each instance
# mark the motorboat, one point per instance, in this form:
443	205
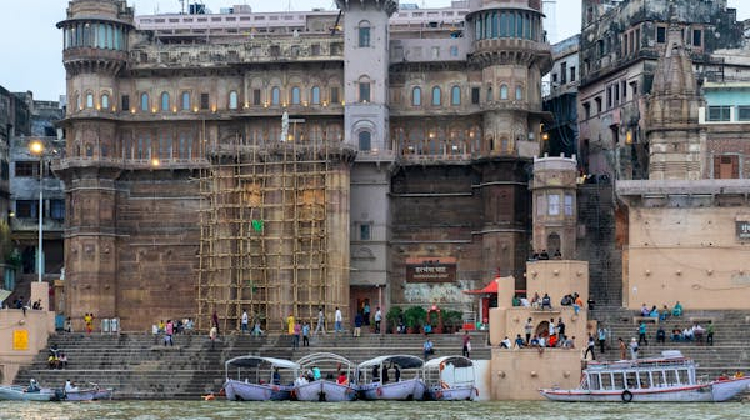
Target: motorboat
323	381
95	393
450	378
33	392
669	378
278	384
373	380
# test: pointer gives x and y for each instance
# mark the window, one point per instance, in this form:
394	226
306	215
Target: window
435	53
454	51
475	96
416	96
364	34
587	110
553	204
743	113
572	73
609	97
364	140
295	96
334	94
164	102
727	167
697	38
568	204
519	93
489	94
541	205
144	102
624	90
633	89
719	113
456	95
186	101
487	26
503	92
256	97
503	25
27	209
89	100
275	96
617	93
89	150
364	91
78	102
205	101
57	209
436	99
315	95
105	101
661	34
598	101
125	102
364	232
26	168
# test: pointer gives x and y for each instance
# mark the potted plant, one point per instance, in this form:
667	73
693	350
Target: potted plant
452	320
392	317
415	318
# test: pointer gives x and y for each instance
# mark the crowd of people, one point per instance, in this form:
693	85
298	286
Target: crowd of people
551	336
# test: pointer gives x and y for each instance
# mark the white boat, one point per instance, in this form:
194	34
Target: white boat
373	380
29	393
278	386
94	394
326	387
450	378
670	378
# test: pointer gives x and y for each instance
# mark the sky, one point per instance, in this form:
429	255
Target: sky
30	45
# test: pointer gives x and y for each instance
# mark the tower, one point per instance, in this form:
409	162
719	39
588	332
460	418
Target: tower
95	51
553	190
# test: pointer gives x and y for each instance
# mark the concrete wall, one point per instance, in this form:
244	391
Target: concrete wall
557	279
520	374
688	254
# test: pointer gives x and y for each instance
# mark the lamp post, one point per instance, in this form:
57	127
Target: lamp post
37	148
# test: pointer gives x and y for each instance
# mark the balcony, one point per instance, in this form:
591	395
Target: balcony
31	224
376	156
128	164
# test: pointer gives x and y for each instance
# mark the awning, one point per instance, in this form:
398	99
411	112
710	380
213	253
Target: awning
488	290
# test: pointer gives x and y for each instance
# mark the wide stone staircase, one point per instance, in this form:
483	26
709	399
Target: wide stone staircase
729	353
138	367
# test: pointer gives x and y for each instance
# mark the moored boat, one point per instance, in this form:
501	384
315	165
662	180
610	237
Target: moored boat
29	393
277	387
373	381
670	378
325	377
450	378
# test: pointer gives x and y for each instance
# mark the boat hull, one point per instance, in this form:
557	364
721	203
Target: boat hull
413	389
89	395
17	393
725	390
452	394
241	391
323	390
693	393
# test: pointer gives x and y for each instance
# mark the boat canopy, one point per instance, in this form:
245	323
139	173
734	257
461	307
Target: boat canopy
457	361
254	361
323	356
404	362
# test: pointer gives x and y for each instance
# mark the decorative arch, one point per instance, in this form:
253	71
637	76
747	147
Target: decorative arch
363	30
416	96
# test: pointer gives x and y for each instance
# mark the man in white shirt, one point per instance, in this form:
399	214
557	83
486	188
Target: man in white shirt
338	319
243	324
378	318
321	327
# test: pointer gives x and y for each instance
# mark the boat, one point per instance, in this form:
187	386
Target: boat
326	387
373	379
30	393
90	394
450	378
669	378
278	385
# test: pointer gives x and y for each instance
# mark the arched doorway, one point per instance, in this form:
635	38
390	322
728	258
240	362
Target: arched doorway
553	243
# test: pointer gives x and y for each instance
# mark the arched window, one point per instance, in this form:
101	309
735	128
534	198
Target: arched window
144	102
364	140
89	150
456	95
504	144
489	94
519	92
105	101
89	100
275	95
295	96
186	101
503	93
416	96
164	101
77	102
364	89
315	95
436	96
233	100
364	33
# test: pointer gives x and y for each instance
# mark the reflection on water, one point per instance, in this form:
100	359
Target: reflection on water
192	410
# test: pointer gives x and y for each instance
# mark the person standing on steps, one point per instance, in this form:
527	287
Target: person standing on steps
215	319
527	329
358	325
633	349
602	339
88	319
212	335
590	348
243	322
337	320
378	318
466	350
297	332
306	335
642	333
367	314
168	330
321	327
622	349
710	335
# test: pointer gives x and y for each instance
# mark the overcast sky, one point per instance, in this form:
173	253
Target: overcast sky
30	56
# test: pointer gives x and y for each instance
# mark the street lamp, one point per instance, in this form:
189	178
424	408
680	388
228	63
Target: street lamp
37	148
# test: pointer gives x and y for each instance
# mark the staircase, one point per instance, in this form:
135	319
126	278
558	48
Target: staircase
139	368
729	353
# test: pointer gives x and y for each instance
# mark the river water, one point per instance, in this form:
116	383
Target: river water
224	410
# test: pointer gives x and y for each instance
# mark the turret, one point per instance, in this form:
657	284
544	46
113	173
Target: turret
554	207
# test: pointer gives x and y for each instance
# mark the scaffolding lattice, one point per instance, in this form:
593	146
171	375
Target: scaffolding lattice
274	233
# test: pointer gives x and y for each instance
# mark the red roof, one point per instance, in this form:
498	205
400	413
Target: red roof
489	289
